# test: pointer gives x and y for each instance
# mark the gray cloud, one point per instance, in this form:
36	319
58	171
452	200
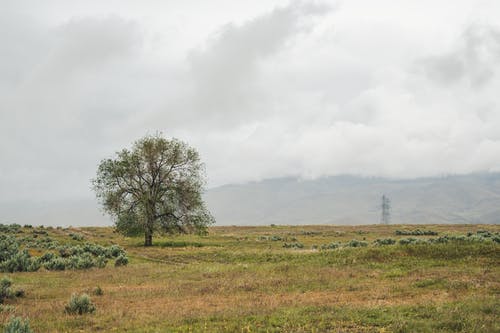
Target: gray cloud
476	58
272	90
225	71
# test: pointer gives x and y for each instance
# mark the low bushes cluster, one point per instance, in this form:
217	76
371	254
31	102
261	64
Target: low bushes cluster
76	237
411	240
479	236
83	257
416	232
356	243
384	241
330	246
39	243
13	259
62	257
37	232
10	228
17	325
295	245
276	238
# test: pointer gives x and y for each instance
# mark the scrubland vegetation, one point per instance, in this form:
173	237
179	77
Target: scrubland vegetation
434	278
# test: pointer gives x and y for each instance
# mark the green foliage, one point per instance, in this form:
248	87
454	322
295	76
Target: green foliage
385	241
356	243
6	290
10	228
410	240
17	325
8	247
12	259
330	246
416	232
79	304
295	245
154	187
83	256
20	262
76	237
122	260
56	264
98	291
40	231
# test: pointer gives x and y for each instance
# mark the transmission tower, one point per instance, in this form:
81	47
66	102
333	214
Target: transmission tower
386	209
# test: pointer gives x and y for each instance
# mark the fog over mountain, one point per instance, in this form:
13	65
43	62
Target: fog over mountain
471	198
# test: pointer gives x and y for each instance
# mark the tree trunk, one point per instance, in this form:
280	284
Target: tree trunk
148	238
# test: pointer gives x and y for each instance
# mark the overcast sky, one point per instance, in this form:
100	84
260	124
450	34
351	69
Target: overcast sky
261	88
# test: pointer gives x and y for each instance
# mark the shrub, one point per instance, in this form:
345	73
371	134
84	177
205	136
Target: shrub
17	325
20	262
356	243
416	232
56	264
295	245
101	262
10	228
8	247
98	291
385	241
411	240
122	260
5	291
40	232
79	304
83	261
330	246
76	237
114	251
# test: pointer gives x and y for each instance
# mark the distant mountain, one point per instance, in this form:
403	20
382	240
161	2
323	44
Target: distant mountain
337	200
471	198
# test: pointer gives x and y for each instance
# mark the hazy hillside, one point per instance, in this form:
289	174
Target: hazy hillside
356	200
339	200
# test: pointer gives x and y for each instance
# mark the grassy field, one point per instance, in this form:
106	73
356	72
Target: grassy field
242	279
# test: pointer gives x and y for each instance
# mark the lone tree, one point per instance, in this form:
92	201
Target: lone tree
386	209
155	187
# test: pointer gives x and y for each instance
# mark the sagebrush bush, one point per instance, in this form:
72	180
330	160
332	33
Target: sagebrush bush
77	237
10	228
5	291
330	246
122	260
356	243
17	325
56	264
416	232
8	247
295	245
79	304
115	251
20	262
98	291
385	241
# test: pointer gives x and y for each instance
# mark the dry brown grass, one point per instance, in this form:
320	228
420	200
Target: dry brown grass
233	277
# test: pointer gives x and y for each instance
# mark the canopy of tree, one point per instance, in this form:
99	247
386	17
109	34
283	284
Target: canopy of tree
154	187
